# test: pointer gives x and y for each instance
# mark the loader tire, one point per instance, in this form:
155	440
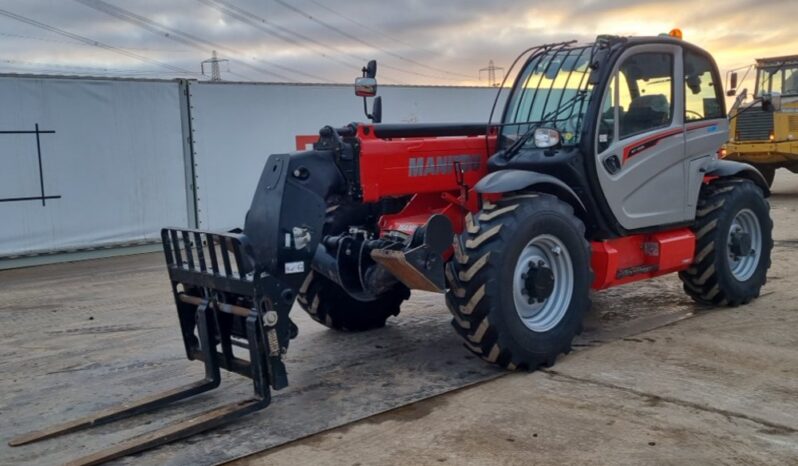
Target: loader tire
328	304
524	248
722	273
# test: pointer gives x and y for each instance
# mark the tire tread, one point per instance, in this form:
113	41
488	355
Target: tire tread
470	276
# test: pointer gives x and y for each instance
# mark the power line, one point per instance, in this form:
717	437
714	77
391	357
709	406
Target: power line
171	34
366	43
358	23
261	24
189	39
47	39
86	40
245	15
12	61
258	22
386	35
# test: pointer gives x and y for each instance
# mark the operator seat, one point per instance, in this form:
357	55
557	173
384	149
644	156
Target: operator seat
646	112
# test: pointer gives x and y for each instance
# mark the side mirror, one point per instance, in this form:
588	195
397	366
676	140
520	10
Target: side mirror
732	84
365	87
771	102
376	111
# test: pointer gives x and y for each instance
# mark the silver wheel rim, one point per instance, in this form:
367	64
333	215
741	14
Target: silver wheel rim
545	315
743	267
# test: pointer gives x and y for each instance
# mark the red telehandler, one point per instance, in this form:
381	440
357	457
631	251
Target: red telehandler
594	177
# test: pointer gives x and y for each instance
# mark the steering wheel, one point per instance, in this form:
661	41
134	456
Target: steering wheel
692	112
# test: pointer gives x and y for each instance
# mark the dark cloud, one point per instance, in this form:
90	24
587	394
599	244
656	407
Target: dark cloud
417	41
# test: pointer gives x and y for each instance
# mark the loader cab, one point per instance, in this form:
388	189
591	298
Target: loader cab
777	75
661	116
637	118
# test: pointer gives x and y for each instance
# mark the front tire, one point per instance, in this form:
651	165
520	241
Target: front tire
520	280
329	304
733	244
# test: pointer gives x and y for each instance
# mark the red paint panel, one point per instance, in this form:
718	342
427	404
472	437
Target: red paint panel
402	166
639	257
676	250
647	143
652	141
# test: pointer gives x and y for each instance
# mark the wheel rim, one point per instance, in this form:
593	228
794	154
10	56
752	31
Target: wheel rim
744	233
547	257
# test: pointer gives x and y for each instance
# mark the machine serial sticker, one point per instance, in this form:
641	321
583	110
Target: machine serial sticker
294	267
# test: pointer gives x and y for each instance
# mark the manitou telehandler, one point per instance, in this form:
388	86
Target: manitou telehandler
602	171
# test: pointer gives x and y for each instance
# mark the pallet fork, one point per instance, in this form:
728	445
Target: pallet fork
221	302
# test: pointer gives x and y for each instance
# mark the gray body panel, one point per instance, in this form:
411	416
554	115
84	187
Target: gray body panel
660	184
702	141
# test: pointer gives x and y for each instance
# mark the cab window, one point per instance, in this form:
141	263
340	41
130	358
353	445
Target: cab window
702	93
645	93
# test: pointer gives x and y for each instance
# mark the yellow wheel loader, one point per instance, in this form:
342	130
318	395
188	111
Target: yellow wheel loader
766	139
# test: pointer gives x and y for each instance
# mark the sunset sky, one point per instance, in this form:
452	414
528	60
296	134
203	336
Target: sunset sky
415	41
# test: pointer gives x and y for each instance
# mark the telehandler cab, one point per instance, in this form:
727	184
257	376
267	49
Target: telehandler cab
597	175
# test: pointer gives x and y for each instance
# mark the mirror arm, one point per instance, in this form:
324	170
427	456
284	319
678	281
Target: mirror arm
366	108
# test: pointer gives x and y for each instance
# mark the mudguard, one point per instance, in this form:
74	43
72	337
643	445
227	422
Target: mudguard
724	168
503	181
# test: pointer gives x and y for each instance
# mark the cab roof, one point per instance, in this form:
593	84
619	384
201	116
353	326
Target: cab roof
777	60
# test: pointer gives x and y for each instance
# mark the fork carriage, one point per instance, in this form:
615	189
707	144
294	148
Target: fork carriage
221	303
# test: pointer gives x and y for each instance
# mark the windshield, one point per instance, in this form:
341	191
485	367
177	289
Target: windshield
552	90
781	79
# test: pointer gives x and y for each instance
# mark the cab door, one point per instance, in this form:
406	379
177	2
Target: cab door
706	126
640	149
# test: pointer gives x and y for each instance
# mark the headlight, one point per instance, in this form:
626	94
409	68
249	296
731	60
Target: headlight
546	137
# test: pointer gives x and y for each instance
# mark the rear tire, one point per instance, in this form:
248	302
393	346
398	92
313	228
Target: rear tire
328	304
504	316
723	274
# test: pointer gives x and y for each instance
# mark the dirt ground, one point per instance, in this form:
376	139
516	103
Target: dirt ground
718	388
654	379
